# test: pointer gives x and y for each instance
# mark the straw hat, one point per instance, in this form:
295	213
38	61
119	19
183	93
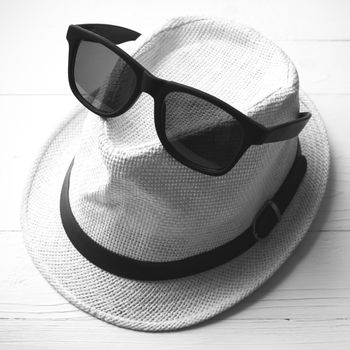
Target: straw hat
134	199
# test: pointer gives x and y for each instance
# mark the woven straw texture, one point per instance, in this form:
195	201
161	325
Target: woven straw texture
132	197
178	212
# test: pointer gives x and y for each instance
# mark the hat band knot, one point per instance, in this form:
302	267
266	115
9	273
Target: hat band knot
265	220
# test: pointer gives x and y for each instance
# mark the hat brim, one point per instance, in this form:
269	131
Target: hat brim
169	304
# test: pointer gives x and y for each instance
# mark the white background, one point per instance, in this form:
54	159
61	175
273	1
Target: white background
306	305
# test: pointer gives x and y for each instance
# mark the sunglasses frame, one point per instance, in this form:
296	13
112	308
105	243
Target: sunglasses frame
253	133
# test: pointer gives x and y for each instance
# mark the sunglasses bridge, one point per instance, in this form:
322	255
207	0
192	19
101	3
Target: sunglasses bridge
151	84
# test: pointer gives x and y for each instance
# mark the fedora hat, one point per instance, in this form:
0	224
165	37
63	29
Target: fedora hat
129	232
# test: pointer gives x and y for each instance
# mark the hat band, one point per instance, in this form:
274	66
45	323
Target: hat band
123	266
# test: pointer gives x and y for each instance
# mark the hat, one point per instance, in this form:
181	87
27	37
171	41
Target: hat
133	199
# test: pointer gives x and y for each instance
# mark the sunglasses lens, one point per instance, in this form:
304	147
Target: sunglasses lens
200	131
103	78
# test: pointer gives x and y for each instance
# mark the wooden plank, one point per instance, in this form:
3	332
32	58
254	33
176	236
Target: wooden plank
297	20
26	123
323	68
38	65
305	304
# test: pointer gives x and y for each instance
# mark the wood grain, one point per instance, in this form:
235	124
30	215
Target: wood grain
33	34
305	305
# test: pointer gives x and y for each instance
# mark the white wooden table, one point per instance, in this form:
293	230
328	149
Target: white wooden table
306	305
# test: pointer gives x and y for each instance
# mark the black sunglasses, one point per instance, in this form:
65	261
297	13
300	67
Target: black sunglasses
196	128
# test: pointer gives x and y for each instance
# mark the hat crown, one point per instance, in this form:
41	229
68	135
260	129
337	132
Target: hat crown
132	197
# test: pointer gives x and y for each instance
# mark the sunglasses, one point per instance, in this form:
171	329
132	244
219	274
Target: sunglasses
199	130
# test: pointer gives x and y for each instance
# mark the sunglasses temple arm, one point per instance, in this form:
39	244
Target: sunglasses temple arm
285	131
117	35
